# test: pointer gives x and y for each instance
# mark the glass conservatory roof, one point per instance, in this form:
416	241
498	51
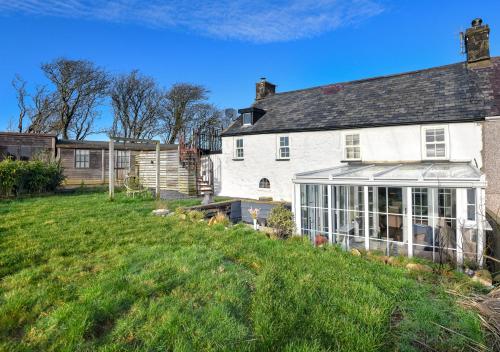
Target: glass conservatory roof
412	173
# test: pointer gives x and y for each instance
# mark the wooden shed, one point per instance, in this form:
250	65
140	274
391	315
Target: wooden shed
87	162
25	146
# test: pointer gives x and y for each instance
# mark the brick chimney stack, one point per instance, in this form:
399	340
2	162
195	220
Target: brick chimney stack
264	89
477	44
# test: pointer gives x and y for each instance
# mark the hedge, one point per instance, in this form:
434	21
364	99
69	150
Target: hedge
29	177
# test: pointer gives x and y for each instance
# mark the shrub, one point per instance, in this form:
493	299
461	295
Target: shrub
29	177
219	218
196	215
281	220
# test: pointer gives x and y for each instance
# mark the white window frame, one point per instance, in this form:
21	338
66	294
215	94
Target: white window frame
473	204
425	144
237	155
120	156
82	163
280	150
243	119
346	146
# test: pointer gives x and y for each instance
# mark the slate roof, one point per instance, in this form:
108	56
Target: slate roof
452	93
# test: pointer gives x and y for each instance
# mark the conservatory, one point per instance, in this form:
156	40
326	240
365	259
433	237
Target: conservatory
433	210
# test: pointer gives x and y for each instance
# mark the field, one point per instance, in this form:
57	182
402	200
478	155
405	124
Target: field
79	272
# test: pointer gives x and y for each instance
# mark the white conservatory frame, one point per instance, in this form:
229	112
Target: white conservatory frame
443	179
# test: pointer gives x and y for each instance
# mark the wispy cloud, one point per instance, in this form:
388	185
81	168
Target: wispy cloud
258	21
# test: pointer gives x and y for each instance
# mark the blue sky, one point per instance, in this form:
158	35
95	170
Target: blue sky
228	45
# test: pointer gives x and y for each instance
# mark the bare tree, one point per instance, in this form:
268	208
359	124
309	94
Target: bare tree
137	105
80	87
42	112
228	117
20	87
181	108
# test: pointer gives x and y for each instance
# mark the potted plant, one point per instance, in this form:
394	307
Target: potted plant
254	213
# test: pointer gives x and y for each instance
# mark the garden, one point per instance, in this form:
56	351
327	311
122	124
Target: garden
80	272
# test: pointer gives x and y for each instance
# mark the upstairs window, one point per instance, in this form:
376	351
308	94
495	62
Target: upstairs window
264	183
247	119
82	159
238	150
352	147
435	143
283	147
122	159
471	204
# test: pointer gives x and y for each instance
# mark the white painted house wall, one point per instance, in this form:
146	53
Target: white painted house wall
324	149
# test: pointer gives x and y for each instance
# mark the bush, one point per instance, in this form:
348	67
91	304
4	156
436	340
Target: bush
29	177
281	220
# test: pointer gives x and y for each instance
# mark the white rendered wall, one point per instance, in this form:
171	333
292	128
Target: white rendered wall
323	149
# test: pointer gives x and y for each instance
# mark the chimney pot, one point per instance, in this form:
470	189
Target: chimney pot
476	22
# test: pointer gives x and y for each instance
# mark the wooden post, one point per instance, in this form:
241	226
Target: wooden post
157	170
111	162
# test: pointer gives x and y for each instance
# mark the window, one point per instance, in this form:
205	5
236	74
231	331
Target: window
471	204
352	149
238	151
435	143
247	118
264	183
82	159
122	159
283	147
420	204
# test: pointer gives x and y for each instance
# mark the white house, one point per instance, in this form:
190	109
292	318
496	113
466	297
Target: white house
393	163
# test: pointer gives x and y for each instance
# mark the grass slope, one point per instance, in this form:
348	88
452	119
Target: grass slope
81	273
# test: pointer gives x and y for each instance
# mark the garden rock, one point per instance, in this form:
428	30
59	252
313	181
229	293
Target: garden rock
418	267
161	212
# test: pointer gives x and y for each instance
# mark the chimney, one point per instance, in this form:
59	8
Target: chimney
264	89
477	44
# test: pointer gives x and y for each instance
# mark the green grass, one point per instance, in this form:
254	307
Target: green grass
79	272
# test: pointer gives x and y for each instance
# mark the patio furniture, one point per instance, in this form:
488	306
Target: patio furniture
134	186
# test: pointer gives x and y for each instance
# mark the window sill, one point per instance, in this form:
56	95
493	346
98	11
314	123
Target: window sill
238	159
435	159
282	159
351	161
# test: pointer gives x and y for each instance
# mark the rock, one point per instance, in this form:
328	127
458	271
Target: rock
161	212
419	267
355	252
483	277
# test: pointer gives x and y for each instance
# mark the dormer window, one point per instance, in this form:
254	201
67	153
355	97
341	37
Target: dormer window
247	119
250	116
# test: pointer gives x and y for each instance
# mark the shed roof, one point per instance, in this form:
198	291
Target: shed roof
85	144
452	93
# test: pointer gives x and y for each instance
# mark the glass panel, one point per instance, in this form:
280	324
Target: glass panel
365	172
314	212
410	172
452	171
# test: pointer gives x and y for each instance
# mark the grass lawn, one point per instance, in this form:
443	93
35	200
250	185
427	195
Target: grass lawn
81	273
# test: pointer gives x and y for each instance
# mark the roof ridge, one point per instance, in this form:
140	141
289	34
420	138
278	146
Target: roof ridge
375	78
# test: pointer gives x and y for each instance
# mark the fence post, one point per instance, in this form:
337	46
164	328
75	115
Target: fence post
111	161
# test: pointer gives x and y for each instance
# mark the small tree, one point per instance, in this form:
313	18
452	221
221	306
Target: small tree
281	219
